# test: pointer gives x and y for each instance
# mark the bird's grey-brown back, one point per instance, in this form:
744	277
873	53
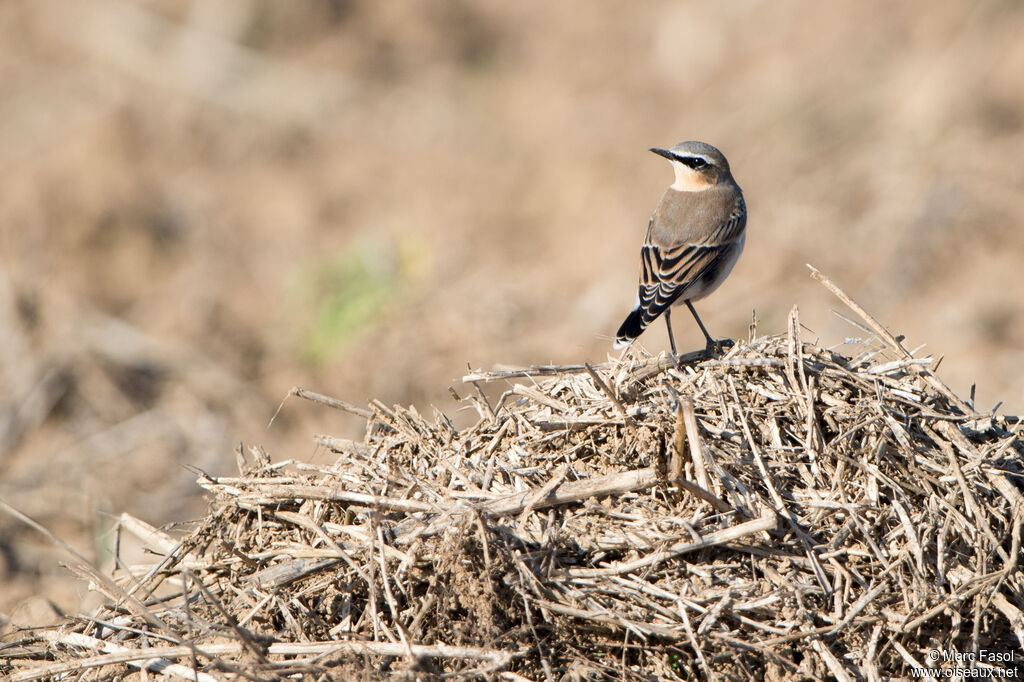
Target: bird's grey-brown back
682	218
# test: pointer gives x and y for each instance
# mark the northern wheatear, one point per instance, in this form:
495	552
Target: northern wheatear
693	240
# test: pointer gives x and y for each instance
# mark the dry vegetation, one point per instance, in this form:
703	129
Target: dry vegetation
785	512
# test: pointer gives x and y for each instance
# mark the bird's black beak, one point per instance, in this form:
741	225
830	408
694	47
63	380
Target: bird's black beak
663	152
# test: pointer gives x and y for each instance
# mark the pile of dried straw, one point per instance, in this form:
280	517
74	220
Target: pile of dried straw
784	512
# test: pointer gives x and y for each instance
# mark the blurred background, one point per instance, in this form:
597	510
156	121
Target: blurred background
203	204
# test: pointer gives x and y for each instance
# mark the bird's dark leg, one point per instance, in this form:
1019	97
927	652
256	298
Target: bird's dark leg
699	323
668	323
714	348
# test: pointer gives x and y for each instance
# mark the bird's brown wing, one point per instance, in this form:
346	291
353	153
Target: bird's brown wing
667	274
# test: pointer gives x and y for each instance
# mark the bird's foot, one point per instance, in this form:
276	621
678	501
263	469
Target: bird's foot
716	349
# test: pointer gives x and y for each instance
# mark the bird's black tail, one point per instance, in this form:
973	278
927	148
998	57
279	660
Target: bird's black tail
631	328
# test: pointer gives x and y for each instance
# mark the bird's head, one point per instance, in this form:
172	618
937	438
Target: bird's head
698	166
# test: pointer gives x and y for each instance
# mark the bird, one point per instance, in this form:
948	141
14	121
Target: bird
694	239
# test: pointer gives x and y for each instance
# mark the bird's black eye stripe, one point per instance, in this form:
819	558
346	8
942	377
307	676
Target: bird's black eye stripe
694	162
